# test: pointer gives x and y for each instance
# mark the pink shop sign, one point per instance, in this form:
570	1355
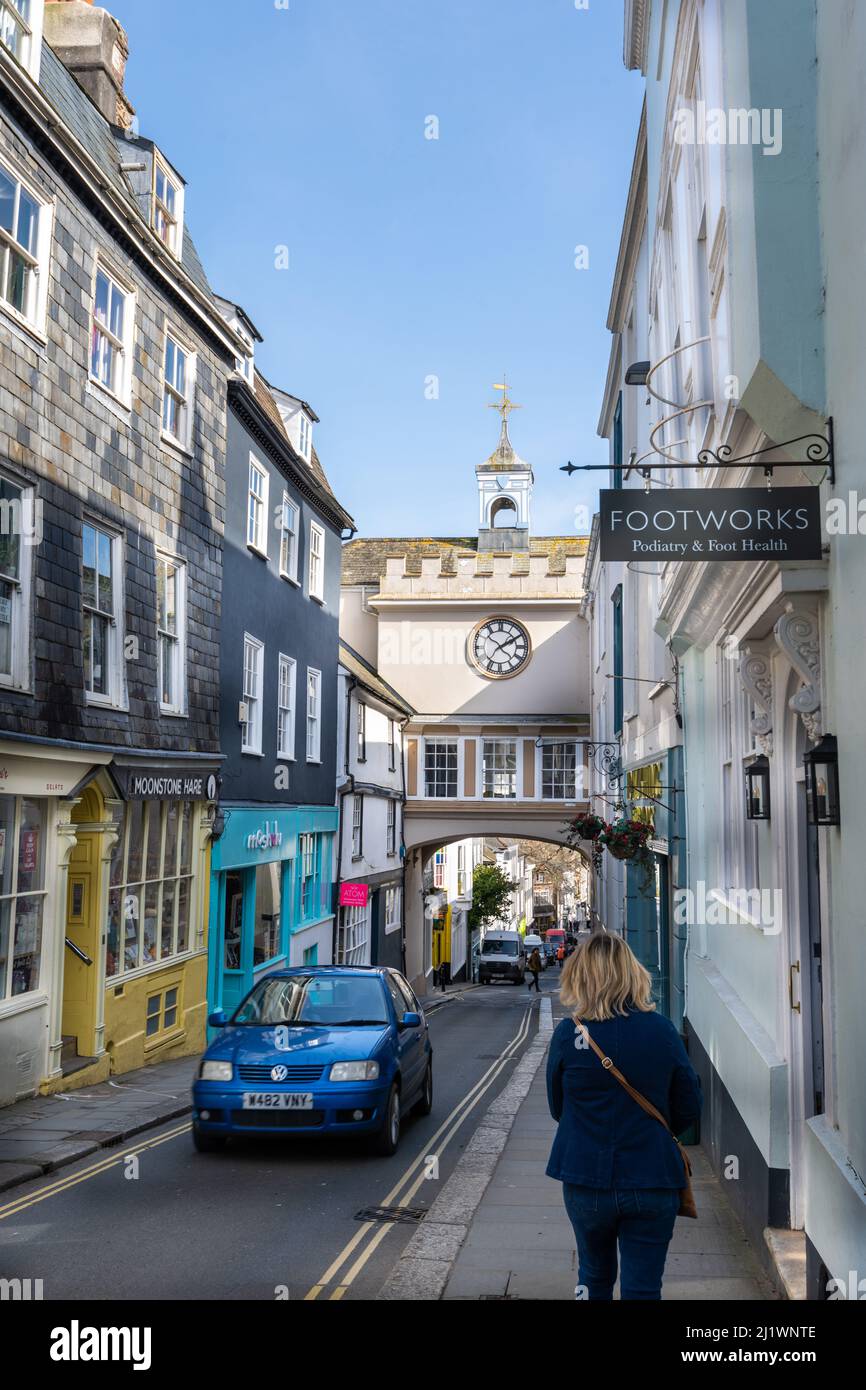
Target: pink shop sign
354	894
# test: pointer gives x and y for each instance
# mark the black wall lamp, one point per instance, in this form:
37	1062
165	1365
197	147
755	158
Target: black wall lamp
637	373
218	823
821	764
758	789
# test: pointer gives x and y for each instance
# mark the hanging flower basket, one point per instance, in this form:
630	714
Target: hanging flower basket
587	827
626	839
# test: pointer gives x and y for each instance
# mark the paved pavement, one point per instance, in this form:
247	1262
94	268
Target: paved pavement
520	1243
49	1132
498	1230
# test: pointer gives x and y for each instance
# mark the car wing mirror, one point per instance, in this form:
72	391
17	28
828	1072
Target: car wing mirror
217	1019
410	1020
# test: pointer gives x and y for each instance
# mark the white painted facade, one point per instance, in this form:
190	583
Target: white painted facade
755	253
369	849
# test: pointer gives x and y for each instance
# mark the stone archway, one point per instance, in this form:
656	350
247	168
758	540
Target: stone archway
420	889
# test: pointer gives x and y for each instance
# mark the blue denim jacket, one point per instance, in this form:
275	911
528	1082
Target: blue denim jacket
604	1138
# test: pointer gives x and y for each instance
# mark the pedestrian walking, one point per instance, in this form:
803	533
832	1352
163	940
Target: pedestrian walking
560	955
623	1175
534	967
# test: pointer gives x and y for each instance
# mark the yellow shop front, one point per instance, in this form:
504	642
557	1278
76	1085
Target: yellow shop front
132	977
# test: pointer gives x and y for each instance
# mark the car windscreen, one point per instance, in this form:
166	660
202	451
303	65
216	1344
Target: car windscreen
499	948
332	1000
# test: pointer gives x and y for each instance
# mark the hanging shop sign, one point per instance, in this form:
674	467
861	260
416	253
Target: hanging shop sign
711	524
644	792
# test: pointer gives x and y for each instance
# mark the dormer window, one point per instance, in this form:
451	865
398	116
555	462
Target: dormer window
306	435
245	366
167	207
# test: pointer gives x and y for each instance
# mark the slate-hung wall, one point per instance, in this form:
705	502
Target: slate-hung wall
284	616
83	451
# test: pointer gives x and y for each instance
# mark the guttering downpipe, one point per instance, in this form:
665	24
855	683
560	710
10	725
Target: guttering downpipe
348	785
403	724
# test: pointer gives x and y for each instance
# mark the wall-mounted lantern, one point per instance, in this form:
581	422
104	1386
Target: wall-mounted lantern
758	789
822	782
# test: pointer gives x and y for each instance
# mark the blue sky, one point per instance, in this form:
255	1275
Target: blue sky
408	257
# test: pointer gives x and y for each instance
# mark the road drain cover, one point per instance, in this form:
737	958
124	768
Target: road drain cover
405	1216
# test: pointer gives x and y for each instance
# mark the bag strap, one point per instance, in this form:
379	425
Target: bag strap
608	1065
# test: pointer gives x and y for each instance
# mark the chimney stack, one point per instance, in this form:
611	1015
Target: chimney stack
94	47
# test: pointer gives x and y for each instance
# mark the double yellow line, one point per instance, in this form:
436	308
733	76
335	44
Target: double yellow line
401	1194
73	1179
411	1181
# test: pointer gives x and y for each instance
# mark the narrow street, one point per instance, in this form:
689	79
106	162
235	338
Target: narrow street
262	1215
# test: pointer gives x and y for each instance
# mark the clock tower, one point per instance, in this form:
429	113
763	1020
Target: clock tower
484	640
504	491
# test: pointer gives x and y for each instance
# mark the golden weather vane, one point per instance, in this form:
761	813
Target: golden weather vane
505	406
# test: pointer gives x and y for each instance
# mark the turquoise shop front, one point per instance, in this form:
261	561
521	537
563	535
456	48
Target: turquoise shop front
271	895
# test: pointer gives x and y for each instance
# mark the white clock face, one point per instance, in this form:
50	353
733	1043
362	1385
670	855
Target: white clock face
500	647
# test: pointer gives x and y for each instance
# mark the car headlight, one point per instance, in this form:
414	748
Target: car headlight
354	1071
216	1071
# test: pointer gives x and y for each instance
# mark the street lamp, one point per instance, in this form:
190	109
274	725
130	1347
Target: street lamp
821	764
758	789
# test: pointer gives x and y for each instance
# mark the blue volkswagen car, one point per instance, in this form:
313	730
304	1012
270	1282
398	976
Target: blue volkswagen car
316	1050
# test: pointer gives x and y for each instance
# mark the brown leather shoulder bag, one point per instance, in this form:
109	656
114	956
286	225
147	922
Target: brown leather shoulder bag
687	1196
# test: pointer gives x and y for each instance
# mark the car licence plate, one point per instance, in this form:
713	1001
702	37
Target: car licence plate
278	1100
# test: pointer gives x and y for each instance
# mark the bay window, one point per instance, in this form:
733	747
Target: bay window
22	894
150	886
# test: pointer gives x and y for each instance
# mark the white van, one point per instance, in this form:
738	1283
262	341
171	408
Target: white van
502	957
532	943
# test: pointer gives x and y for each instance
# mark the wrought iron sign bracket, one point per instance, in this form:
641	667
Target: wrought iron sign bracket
607	761
818	448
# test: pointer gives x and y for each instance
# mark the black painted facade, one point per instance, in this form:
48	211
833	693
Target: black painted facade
259	601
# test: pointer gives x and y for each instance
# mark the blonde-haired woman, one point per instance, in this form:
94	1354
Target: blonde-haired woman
621	1170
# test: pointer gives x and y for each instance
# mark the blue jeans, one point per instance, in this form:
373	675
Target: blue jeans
642	1220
